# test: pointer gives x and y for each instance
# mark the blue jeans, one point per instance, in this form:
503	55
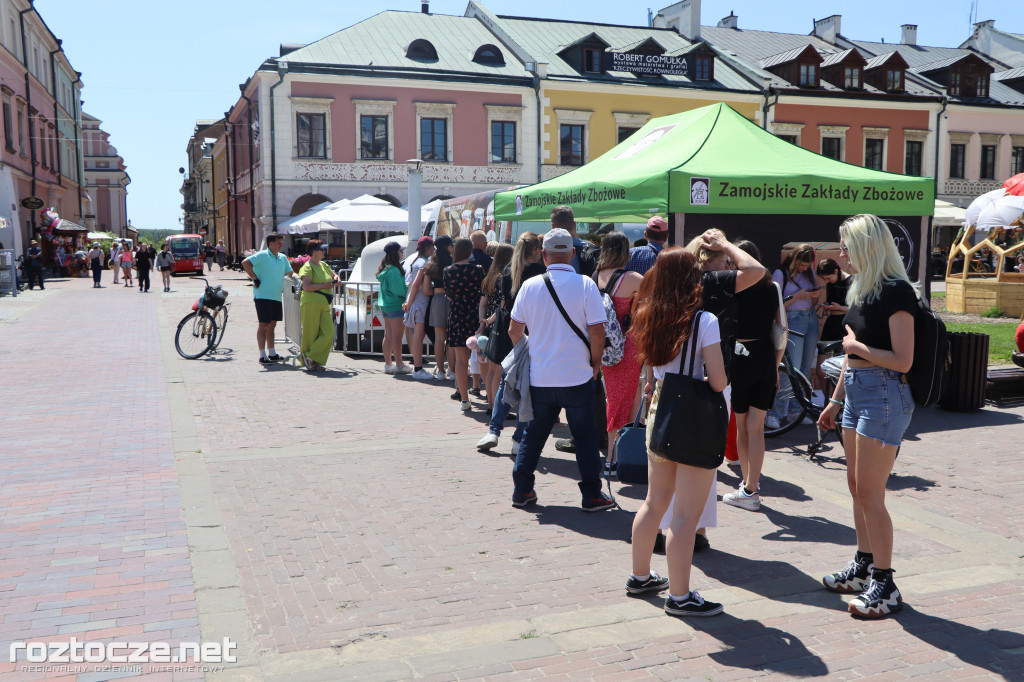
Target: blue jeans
803	351
878	404
548	402
501	410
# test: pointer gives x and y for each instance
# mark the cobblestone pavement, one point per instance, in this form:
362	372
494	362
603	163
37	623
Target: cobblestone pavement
343	526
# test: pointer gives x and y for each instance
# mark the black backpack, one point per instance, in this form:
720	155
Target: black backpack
929	374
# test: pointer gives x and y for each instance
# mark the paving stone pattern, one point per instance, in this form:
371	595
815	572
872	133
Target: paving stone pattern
369	539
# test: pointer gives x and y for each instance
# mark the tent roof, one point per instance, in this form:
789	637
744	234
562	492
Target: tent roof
713	160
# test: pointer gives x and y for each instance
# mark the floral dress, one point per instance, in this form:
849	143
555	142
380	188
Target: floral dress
462	287
622	379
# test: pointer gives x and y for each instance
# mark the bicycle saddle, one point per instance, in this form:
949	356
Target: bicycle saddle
829	347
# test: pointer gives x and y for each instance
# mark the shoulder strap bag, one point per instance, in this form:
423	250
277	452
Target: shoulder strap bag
691	420
551	288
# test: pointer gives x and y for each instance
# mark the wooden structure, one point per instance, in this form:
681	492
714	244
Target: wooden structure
979	292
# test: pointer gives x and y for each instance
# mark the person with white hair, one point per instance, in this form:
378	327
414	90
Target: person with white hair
879	345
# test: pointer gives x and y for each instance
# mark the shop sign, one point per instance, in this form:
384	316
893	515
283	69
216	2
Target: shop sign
32	203
645	64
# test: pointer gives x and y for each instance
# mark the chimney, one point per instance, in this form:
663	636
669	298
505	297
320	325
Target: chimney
909	34
731	21
684	17
425	7
828	28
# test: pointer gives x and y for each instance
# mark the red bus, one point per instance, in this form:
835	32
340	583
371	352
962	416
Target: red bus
187	250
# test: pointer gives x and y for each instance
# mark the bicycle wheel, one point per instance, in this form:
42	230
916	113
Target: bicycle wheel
195	335
221	318
798	393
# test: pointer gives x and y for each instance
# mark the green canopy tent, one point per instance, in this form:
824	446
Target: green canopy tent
713	167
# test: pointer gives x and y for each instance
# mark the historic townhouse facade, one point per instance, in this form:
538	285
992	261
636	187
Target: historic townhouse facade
41	118
199	179
106	181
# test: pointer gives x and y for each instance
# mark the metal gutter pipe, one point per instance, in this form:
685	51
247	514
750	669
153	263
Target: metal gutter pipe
282	71
540	134
56	117
79	172
28	99
252	165
229	165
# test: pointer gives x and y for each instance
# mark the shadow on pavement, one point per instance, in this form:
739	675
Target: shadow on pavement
612	524
901	482
754	646
807	529
776	580
998	651
934	420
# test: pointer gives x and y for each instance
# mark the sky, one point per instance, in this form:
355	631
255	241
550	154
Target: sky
150	70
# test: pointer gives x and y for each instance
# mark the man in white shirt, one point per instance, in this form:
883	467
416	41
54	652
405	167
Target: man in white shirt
565	361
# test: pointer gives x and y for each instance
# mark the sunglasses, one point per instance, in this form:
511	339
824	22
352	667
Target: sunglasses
843	248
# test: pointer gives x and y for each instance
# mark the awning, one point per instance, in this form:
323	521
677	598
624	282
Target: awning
68	226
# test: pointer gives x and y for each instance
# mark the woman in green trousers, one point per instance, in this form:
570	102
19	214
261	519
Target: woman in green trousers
318	282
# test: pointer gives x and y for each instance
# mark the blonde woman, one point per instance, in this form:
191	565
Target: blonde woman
879	345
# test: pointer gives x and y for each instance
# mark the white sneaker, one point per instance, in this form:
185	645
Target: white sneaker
771	422
403	369
742	500
515	447
451	375
389	369
422	374
487	442
464	405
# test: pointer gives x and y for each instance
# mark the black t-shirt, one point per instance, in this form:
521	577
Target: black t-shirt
870	321
210	252
143	259
720	299
755	311
835	293
531	270
479	257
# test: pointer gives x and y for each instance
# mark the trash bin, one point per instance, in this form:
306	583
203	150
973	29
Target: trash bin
968	371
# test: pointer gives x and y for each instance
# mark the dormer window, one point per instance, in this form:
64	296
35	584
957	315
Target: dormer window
851	78
808	75
894	80
982	86
966	75
591	60
421	50
702	69
954	82
489	55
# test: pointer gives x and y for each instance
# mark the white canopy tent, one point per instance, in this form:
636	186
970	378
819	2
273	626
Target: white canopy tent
948	215
362	214
292	225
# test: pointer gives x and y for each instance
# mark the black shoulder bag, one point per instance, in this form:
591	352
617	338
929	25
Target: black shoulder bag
691	422
551	288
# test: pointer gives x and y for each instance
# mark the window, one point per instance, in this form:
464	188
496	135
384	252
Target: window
957	154
433	139
954	82
42	144
1017	160
490	55
421	50
982	85
503	142
591	60
790	138
373	137
32	137
912	160
832	147
808	75
624	133
851	77
893	80
53	152
312	136
571	145
874	154
702	69
988	162
8	131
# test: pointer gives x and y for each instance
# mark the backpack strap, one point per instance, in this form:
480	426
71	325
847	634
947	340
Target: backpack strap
551	288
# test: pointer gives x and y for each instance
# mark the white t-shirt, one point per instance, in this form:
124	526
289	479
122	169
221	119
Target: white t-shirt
707	335
558	357
413	268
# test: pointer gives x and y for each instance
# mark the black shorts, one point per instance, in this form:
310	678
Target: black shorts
754	377
268	311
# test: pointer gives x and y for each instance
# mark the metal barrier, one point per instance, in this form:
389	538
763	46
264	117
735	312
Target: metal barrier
8	273
292	315
359	323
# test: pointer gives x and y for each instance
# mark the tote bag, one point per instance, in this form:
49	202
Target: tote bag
631	451
692	422
499	344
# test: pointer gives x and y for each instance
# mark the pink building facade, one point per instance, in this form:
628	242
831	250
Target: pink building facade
106	180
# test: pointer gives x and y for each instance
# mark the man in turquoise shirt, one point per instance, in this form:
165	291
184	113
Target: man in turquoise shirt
267	269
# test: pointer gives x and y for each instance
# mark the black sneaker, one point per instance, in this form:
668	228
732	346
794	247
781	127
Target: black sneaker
565	445
654	583
853	578
266	361
599	503
692	605
700	543
524	499
611	468
274	358
881	597
456	396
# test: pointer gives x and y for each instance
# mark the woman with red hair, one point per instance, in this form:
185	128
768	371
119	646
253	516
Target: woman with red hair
663	322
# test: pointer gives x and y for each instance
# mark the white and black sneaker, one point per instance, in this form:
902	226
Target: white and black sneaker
881	597
692	605
853	578
653	583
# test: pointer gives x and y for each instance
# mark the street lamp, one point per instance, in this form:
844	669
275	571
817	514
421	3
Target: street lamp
415	198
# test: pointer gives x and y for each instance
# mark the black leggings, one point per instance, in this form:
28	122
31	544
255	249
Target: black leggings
97	270
143	278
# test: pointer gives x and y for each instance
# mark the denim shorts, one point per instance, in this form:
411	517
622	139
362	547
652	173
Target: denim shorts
393	314
878	404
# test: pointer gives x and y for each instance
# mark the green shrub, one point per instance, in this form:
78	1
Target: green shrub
994	311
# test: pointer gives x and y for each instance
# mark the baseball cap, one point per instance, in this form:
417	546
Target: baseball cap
557	241
425	240
657	224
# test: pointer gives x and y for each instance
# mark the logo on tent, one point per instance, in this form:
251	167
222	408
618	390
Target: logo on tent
699	194
649	138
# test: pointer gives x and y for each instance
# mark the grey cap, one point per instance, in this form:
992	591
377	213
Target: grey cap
558	241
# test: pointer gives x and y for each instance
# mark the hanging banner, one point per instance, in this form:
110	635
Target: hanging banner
645	64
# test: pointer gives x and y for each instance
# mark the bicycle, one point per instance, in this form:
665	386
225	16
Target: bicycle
800	392
202	330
